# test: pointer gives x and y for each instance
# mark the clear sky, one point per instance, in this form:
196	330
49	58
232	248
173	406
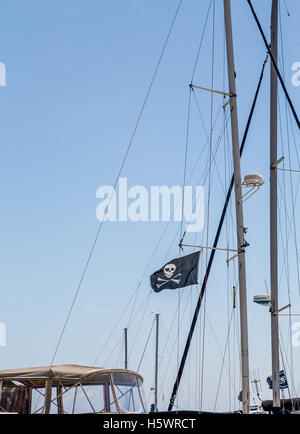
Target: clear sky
77	74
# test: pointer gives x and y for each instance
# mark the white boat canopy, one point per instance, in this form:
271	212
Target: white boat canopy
66	374
69	389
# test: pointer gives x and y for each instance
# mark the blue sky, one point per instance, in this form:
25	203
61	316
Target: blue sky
77	74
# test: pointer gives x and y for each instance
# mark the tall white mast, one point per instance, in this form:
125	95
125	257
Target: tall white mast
239	208
273	209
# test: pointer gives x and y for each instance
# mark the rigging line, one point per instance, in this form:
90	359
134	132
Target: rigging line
289	154
185	156
117	322
201	117
207	171
200	114
164	231
179	294
223	361
275	65
200	180
139	328
173	342
189	178
204	175
119	360
287	113
209	189
282	346
293	212
143	353
294	138
287	9
114	328
292	21
229	286
203	288
114	349
285	255
285	371
146	302
182	212
287	218
147	267
228	170
207	137
117	178
285	266
286	247
287	361
218	345
201	40
139	284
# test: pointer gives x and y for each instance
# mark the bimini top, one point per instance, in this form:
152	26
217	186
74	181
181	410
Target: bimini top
68	374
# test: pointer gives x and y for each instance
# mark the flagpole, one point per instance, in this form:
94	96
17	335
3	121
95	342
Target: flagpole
239	208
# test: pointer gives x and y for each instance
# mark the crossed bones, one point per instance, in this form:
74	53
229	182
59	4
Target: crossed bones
168	280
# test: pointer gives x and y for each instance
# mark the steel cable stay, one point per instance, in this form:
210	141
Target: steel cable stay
134	295
139	327
201	41
200	45
286	248
289	221
144	273
146	344
177	381
118	176
275	65
285	365
115	327
221	352
227	173
201	180
116	346
223	360
215	152
289	156
207	172
289	14
173	341
182	213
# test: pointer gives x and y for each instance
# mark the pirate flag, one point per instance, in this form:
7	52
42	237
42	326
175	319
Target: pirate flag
178	273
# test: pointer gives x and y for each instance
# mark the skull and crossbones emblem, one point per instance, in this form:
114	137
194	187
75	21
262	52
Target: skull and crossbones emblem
169	271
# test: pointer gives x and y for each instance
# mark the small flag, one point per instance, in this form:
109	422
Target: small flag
283	384
178	273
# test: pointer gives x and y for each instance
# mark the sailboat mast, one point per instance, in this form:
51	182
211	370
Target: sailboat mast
273	208
239	208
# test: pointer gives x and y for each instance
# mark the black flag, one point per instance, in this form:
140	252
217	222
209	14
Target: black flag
178	273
